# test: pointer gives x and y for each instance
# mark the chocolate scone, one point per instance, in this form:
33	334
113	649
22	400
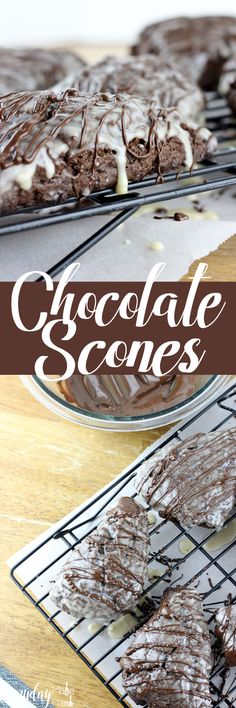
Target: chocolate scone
193	481
105	575
227	85
228	76
128	395
226	632
148	76
199	45
168	663
232	96
54	147
32	69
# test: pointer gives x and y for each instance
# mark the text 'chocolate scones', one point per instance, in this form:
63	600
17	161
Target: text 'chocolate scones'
194	481
169	660
105	575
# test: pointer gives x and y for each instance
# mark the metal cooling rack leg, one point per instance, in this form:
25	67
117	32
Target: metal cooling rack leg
89	243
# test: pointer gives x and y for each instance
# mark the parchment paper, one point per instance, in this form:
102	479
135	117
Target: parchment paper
126	254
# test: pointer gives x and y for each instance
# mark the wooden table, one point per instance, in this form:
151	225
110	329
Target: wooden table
47	467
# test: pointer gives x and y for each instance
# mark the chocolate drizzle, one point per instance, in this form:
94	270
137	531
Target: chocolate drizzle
104	576
146	76
41	116
232	96
32	69
169	660
198	45
226	631
194	481
128	394
228	75
48	133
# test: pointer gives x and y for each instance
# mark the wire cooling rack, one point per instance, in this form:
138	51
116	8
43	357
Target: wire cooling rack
218	172
212	572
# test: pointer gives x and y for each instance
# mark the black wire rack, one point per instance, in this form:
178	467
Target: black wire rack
196	569
218	172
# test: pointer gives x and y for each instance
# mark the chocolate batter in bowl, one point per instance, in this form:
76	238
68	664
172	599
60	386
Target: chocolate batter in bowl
128	395
126	402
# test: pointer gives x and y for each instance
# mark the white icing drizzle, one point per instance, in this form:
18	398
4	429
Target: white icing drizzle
122	626
145	75
31	69
228	74
23	174
107	122
191	42
104	576
168	662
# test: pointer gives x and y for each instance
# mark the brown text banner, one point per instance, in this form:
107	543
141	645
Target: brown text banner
117	327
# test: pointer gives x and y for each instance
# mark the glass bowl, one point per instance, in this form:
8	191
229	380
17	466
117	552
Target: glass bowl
47	393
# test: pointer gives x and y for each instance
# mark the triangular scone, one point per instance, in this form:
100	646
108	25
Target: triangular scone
226	631
145	75
105	575
54	146
193	482
169	660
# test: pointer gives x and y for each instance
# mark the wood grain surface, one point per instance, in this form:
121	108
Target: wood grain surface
221	263
47	467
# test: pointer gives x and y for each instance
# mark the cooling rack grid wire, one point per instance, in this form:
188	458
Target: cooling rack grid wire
218	172
212	572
